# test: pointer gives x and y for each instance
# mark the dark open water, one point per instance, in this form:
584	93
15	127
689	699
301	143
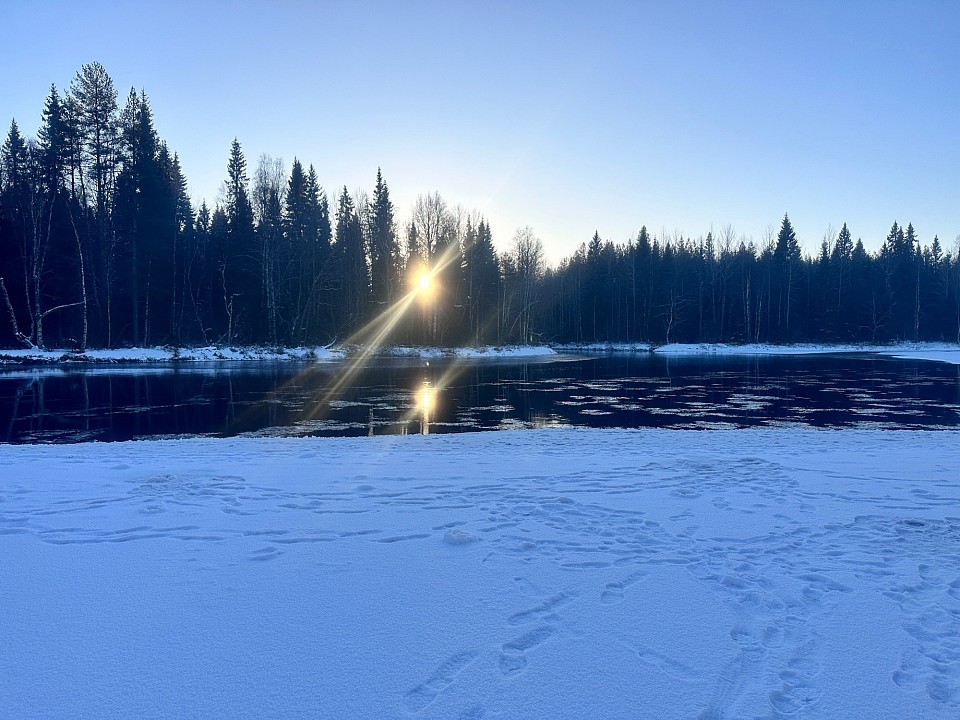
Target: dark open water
116	402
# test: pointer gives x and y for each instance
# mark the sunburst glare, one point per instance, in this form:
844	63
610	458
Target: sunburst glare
378	331
425	282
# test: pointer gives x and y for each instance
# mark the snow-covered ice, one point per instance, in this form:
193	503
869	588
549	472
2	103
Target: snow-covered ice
939	352
947	355
554	574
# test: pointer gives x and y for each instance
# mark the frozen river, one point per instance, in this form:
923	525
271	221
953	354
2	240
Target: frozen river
73	403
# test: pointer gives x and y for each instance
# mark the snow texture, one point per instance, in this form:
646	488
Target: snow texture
168	354
780	573
214	354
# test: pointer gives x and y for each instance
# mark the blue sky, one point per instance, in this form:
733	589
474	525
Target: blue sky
565	116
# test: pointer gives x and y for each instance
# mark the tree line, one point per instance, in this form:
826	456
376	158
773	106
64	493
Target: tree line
100	246
723	289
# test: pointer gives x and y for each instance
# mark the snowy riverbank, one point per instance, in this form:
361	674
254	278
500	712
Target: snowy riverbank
250	353
565	573
941	352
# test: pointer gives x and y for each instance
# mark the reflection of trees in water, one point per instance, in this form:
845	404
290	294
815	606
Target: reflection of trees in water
18	394
104	403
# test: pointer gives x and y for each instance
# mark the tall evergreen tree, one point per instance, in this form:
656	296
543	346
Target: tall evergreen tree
384	251
786	259
96	107
241	259
19	216
52	140
352	266
483	285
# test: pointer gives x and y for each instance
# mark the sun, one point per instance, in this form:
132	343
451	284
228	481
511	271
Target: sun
424	284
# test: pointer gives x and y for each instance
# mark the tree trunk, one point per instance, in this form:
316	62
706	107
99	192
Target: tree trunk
83	282
13	318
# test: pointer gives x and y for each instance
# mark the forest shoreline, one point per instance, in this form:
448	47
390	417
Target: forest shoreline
941	351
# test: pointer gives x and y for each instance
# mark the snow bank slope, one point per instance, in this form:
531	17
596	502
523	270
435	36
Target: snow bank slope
940	352
565	573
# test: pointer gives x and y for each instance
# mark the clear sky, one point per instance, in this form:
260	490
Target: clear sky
569	117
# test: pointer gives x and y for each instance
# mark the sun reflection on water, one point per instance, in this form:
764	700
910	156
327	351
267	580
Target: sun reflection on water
366	342
425	402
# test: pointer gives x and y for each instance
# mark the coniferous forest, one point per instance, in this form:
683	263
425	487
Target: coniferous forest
100	246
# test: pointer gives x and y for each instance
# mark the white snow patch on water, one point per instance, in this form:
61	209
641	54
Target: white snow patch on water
940	352
556	573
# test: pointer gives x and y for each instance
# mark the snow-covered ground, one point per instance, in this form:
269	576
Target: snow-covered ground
169	354
601	347
535	574
507	351
217	353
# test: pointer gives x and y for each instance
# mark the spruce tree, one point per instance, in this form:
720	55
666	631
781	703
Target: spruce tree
52	141
241	258
786	259
384	251
352	266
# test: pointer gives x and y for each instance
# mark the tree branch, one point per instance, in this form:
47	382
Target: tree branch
60	307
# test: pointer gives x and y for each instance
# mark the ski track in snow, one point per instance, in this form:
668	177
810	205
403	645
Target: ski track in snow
552	552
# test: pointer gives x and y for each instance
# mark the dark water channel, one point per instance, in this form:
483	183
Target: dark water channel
121	402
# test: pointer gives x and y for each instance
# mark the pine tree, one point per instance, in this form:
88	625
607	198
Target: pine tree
322	271
351	264
17	213
593	290
198	294
482	284
139	219
296	211
786	259
384	251
241	259
52	142
96	116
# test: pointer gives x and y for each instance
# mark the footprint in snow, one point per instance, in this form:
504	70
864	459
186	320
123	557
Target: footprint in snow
443	677
267	553
544	608
513	654
613	592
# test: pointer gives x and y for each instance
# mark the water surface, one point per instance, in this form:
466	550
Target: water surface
393	396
